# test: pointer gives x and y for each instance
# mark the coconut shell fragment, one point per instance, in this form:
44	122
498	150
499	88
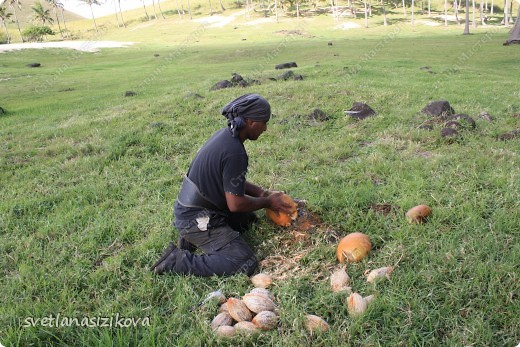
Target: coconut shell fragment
383	272
356	304
315	324
339	281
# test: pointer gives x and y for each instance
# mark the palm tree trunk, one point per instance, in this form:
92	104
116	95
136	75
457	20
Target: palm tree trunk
385	22
160	9
121	13
445	13
492	6
473	14
64	23
115	12
189	9
6	32
404	8
145	12
413	10
514	34
210	8
366	13
17	23
466	21
93	18
154	11
222	6
178	11
455	3
58	21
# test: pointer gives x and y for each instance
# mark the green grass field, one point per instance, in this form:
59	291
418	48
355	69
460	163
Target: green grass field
88	178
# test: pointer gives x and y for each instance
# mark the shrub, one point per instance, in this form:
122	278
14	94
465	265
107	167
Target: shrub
36	33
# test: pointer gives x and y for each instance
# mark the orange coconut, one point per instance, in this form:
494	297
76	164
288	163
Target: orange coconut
418	214
353	247
283	219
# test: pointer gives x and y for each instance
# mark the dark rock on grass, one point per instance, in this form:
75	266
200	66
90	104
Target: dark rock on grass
449	133
509	135
193	96
384	209
329	43
2	111
426	127
130	93
66	90
441	108
425	68
286	65
452	124
360	110
34	65
158	125
156	55
464	120
485	116
222	85
318	115
290	75
286	76
236	78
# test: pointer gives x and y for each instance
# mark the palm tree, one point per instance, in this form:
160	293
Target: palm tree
90	3
145	12
4	16
41	15
121	13
13	4
55	4
466	21
160	9
514	34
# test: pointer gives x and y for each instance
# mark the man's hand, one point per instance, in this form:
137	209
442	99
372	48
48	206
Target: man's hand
276	203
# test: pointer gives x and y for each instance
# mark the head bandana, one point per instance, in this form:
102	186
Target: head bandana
251	106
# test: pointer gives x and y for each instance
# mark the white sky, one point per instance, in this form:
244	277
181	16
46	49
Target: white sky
105	9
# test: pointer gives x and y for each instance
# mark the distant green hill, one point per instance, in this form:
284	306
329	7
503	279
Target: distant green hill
25	14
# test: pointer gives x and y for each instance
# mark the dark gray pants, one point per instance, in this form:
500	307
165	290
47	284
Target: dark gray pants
225	251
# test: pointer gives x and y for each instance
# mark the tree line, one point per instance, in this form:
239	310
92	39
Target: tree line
44	17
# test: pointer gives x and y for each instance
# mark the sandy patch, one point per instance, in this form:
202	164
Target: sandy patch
347	25
428	23
84	46
218	21
260	21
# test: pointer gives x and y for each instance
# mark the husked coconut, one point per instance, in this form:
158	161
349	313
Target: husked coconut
258	303
225	331
246	328
238	310
221	319
262	280
265	320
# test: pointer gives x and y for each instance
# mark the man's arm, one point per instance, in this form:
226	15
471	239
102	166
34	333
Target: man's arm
255	199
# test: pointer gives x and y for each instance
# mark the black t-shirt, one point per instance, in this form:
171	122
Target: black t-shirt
220	166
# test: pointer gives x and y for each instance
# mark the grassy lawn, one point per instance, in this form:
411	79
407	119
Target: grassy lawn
88	178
